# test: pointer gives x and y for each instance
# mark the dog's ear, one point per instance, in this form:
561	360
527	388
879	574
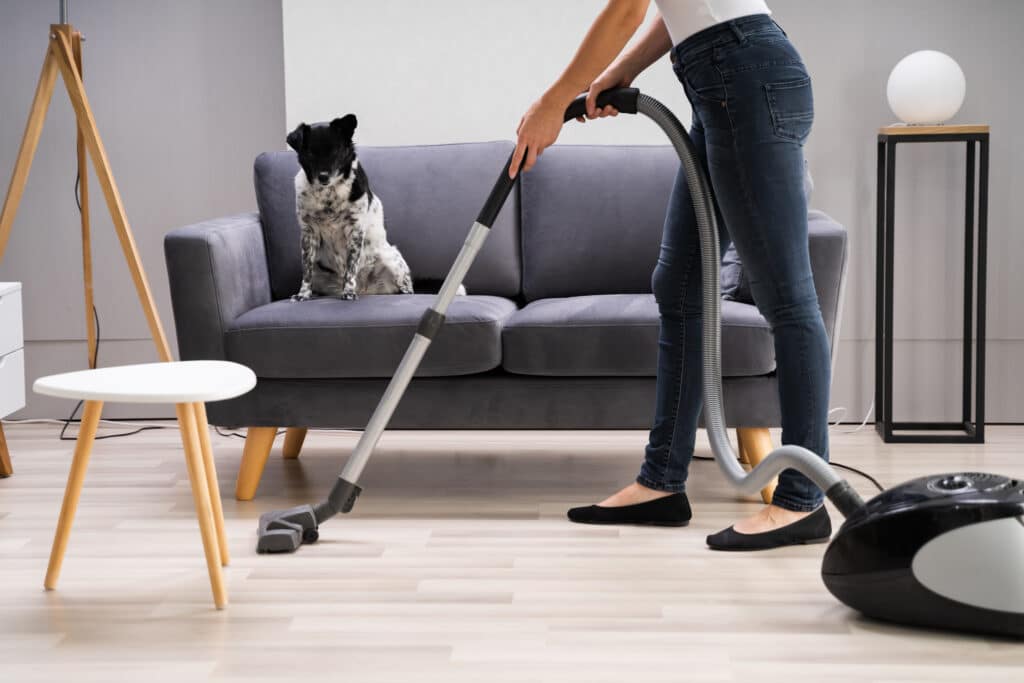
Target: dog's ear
345	126
297	138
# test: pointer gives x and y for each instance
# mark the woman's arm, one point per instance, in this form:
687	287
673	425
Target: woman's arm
653	44
609	33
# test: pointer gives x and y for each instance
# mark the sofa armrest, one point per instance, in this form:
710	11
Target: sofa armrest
829	250
217	271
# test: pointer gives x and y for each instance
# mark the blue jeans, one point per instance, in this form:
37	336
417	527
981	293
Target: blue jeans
752	112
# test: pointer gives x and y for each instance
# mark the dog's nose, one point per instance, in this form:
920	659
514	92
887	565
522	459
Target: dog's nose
323	178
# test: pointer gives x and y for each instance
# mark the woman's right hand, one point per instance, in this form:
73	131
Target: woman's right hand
617	75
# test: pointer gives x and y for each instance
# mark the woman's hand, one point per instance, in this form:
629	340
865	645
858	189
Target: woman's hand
538	130
617	75
542	122
540	126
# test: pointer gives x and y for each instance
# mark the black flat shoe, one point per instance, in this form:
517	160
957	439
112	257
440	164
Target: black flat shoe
814	528
671	510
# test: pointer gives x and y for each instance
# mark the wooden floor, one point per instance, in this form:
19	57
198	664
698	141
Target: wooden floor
456	565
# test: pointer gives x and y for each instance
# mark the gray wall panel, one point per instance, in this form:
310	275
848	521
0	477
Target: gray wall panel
185	94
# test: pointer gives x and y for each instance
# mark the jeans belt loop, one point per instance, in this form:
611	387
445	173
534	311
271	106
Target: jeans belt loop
738	32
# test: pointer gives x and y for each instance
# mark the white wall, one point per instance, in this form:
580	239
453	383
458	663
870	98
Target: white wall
441	71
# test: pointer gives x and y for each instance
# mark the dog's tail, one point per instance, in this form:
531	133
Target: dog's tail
433	286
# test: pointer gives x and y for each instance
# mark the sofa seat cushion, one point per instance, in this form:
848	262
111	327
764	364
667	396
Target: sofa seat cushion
617	335
332	338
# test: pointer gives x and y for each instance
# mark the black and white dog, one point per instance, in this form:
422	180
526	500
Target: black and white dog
345	250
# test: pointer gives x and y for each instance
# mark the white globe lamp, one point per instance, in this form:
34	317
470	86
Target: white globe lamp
926	87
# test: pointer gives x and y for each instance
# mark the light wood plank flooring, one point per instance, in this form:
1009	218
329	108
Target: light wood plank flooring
457	564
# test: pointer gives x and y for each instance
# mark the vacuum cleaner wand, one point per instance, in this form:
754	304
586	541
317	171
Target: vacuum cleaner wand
286	530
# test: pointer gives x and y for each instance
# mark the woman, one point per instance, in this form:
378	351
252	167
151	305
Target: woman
752	112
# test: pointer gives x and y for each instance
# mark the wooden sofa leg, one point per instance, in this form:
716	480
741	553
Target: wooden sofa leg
258	442
755	445
293	439
741	451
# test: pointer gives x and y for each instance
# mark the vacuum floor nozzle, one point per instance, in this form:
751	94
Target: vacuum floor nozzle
284	531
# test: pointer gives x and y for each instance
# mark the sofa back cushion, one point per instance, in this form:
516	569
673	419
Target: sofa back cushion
592	218
431	196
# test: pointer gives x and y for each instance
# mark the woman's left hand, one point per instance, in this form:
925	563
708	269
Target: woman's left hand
538	130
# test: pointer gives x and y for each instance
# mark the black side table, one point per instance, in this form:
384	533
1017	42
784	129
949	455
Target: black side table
973	427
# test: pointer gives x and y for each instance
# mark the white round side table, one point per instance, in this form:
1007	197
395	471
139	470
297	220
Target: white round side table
189	385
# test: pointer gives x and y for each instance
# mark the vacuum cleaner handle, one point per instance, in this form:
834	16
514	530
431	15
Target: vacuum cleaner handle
623	99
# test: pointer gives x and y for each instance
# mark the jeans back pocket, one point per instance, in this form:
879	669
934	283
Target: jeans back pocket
791	104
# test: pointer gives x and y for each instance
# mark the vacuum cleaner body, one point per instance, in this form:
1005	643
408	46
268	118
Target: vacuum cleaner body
943	551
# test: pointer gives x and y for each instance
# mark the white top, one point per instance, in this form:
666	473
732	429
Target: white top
8	287
185	382
683	18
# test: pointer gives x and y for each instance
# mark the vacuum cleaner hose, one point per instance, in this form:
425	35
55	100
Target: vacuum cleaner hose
632	101
789	456
628	101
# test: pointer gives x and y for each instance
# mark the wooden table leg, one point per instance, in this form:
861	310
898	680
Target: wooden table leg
756	444
258	442
6	469
211	481
201	495
83	448
293	439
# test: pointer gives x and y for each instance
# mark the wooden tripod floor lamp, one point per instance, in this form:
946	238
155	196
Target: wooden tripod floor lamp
64	58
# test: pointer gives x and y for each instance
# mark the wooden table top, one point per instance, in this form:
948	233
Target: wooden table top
954	129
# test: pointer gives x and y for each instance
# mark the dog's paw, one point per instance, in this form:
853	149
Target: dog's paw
302	296
348	296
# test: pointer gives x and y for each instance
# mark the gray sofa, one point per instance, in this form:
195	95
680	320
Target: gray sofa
559	329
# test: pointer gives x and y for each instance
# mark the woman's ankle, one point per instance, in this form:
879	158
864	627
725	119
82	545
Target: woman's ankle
633	494
769	518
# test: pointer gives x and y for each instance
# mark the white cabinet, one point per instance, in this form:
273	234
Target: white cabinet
12	353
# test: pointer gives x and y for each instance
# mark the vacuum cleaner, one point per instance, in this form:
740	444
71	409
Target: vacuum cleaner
942	551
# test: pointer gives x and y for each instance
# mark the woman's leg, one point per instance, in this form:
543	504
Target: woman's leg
676	284
756	163
678	395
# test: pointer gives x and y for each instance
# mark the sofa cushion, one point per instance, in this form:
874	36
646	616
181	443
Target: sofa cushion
592	218
617	335
431	196
332	338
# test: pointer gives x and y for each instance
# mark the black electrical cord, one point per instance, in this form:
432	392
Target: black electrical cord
833	463
95	356
856	471
237	435
71	417
220	432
